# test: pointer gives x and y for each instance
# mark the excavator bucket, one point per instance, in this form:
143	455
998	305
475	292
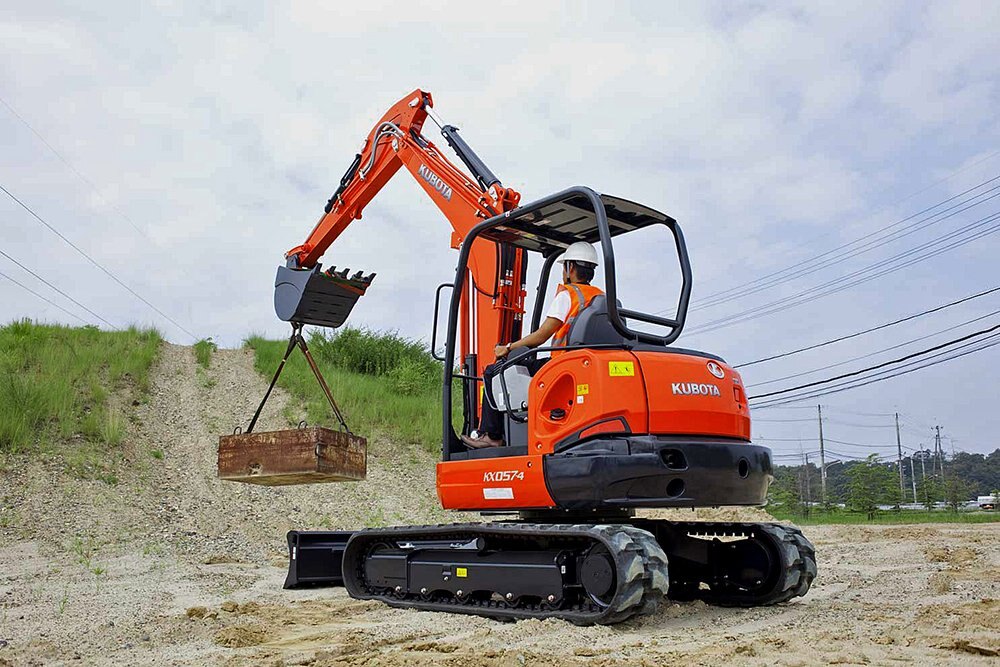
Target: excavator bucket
322	298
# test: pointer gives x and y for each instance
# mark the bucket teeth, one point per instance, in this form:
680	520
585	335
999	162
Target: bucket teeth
320	298
358	278
334	273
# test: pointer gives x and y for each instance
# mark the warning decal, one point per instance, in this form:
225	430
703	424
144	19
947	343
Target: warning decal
621	369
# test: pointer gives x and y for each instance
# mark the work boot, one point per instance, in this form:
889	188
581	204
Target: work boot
481	442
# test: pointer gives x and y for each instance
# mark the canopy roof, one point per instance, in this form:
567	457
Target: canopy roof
552	227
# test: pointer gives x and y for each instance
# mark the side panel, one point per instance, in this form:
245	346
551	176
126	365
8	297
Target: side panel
497	483
687	396
576	390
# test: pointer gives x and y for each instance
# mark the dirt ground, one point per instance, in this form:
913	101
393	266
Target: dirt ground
173	567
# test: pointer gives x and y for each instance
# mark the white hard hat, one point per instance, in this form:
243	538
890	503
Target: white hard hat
581	251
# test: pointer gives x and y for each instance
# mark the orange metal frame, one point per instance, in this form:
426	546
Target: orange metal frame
396	142
598	399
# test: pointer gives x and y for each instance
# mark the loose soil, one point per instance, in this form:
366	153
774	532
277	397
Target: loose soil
173	567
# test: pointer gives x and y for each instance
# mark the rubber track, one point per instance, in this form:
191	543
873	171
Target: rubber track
640	563
796	553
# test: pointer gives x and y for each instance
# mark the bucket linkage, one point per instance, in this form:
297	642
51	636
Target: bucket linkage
297	340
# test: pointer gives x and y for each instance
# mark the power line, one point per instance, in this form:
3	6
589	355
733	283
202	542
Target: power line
838	284
913	367
877	231
913	420
850	457
867	331
812	266
807	439
56	289
876	352
43	298
802	407
975	334
863	445
96	263
840	423
72	168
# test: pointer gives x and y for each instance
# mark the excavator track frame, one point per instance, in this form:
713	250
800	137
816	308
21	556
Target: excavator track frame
718	563
641	577
709	561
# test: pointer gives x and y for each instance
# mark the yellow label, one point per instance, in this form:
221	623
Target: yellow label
582	389
620	369
461	572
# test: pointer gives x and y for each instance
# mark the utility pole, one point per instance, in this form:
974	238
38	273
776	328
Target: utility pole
913	480
940	449
899	458
822	456
808	489
934	460
923	471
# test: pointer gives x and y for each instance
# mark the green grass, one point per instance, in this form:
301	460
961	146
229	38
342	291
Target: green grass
54	388
886	517
382	382
203	350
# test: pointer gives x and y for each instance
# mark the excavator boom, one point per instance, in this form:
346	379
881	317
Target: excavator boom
306	295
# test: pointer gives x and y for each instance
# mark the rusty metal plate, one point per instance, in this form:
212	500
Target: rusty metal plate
295	456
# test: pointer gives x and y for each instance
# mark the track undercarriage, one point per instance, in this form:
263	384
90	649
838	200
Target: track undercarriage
584	573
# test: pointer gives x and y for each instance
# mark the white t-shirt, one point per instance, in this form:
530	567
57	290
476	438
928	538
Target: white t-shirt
559	309
560	306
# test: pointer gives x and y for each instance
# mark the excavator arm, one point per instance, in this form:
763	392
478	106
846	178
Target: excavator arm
495	297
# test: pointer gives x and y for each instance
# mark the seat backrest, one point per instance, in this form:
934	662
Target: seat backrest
592	325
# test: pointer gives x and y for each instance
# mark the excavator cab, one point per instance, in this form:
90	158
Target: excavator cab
620	418
546	228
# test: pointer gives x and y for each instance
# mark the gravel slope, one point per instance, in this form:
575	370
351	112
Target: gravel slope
173	567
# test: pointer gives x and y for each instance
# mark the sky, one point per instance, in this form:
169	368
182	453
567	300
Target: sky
186	146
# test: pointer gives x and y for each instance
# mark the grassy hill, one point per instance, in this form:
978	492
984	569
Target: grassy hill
64	389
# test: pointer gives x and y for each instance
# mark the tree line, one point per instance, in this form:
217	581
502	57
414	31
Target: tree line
867	484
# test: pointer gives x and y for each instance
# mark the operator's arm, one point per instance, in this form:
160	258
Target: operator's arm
535	338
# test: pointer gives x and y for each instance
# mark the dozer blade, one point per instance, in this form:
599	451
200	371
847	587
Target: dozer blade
309	296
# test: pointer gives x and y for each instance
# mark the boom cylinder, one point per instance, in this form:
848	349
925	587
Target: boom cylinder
486	178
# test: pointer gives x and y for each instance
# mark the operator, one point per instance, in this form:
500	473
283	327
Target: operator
572	296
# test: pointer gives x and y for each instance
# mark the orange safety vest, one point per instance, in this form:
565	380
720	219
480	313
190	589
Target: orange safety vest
580	297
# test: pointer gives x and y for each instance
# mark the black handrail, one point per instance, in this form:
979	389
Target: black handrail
543	283
434	326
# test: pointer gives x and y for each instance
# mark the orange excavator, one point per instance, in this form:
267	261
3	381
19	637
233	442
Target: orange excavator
619	420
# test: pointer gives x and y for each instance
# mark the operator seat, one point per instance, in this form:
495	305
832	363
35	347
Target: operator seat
593	326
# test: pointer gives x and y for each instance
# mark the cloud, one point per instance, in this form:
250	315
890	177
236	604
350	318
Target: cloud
771	132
